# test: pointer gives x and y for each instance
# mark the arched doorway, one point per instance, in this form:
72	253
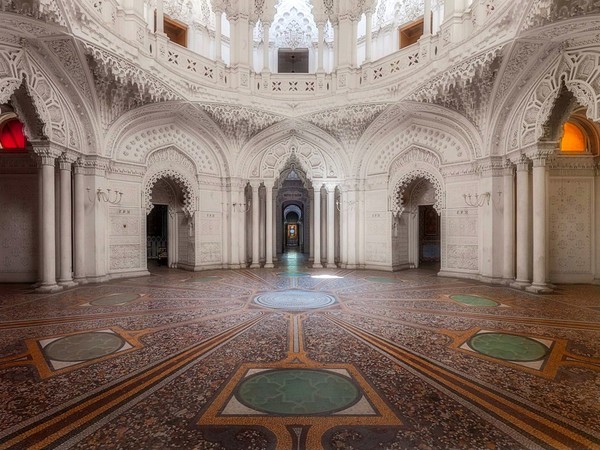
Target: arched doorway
166	225
416	231
292	216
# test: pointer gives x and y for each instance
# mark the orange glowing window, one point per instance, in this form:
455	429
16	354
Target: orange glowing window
573	139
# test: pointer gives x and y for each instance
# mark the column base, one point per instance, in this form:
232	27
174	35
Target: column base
330	265
47	288
81	280
539	288
66	283
269	265
255	266
520	284
317	265
234	266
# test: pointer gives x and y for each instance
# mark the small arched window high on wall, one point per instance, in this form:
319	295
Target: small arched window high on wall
12	138
573	139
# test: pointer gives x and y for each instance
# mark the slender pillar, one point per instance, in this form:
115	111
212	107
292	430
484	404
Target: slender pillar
508	267
160	17
317	226
369	36
336	46
343	228
218	15
242	208
540	256
66	275
427	18
523	253
79	223
331	226
251	45
255	223
311	228
266	26
48	244
321	27
354	49
269	224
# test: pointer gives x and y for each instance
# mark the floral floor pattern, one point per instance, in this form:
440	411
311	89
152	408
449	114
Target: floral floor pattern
297	358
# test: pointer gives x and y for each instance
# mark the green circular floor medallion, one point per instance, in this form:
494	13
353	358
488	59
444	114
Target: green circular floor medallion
205	279
509	347
298	392
84	346
473	300
114	300
384	280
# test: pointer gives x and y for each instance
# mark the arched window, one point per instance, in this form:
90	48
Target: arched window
11	135
573	139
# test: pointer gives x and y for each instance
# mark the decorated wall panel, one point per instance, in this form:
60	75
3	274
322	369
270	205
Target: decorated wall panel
18	222
571	223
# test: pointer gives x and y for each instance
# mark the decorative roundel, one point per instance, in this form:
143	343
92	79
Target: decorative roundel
509	347
294	300
84	346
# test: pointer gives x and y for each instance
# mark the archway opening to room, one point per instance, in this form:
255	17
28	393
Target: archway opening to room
292	215
166	225
416	237
20	194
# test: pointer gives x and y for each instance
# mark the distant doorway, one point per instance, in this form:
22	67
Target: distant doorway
157	241
429	235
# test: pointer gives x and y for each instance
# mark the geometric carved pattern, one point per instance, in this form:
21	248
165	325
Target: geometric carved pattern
398	202
138	146
189	198
571	209
444	144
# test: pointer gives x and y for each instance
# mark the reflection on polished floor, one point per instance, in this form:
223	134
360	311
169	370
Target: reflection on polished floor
298	358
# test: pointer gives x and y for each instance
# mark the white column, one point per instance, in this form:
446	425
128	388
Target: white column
508	267
218	15
242	207
427	18
251	45
317	225
48	244
321	27
255	223
269	225
312	229
539	226
369	36
160	17
274	222
523	253
354	41
266	38
343	227
331	226
79	223
66	275
336	46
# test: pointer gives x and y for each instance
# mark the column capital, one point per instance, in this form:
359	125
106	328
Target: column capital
330	187
508	168
66	159
269	183
255	184
47	152
522	164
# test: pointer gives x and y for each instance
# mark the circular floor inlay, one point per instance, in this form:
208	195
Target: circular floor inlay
294	299
204	279
83	346
384	280
298	392
508	346
473	300
112	300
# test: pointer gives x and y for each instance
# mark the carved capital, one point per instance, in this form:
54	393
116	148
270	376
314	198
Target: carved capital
47	152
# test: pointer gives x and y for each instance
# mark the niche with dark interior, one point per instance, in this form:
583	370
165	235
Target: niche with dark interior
292	60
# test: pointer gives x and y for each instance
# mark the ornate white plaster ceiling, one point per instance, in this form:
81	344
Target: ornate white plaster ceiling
191	12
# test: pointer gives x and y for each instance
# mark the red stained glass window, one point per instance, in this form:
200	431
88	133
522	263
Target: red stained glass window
11	136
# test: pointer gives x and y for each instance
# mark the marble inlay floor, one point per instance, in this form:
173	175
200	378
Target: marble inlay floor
297	358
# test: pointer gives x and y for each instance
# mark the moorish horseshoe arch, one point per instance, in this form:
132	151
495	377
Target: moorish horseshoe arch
189	196
399	189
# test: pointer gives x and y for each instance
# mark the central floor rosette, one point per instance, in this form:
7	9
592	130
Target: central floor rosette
294	300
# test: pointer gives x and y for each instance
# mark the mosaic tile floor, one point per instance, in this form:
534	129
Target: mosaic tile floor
296	358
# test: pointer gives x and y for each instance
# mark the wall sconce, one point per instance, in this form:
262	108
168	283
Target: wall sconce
103	196
242	207
477	199
349	205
